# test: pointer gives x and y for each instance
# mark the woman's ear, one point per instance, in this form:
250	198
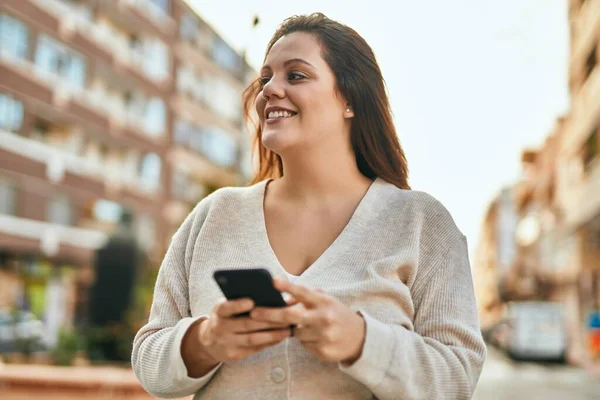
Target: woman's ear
348	112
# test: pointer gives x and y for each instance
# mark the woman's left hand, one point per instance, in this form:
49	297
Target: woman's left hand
324	325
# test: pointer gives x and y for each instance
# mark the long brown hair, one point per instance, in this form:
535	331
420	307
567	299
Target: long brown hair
372	134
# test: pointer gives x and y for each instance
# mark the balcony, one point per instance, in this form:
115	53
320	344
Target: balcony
73	20
58	163
588	25
202	58
584	111
200	168
588	188
88	106
197	113
40	230
152	13
77	27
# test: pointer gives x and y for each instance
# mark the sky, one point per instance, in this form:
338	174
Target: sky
471	82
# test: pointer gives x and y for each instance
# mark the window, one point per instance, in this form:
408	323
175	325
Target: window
145	228
11	113
190	83
54	57
184	187
150	171
136	104
246	166
225	56
556	249
163	5
225	100
506	228
8	197
590	149
189	27
156	59
181	132
59	210
14	37
107	211
189	135
591	61
219	147
156	117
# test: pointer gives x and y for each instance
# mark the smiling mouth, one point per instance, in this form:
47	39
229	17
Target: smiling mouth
273	115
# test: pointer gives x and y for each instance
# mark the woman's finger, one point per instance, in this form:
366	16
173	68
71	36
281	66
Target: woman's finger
306	334
289	299
307	296
291	315
246	325
256	339
229	308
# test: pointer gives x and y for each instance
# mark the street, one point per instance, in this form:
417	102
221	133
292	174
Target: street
503	378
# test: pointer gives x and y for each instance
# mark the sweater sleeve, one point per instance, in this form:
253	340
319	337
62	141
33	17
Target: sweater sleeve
156	357
443	357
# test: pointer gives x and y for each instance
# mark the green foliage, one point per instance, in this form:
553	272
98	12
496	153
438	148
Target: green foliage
70	343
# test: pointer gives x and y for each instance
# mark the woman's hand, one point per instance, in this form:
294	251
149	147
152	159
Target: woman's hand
226	337
324	325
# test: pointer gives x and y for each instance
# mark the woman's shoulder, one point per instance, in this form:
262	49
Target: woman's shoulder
421	210
230	199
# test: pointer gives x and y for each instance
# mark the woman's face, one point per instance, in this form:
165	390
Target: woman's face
299	106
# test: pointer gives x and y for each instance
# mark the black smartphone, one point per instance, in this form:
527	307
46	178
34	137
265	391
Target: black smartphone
253	283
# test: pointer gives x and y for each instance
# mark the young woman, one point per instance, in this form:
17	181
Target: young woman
379	276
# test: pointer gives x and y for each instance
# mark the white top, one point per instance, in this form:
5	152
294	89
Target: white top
401	261
291	277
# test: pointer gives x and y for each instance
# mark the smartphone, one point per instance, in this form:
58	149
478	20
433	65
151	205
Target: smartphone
253	283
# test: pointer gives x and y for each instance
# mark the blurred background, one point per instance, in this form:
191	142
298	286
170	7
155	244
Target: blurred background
118	116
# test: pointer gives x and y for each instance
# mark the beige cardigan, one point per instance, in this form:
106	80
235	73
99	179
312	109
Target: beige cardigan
401	261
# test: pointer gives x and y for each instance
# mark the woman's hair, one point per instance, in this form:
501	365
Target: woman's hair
358	77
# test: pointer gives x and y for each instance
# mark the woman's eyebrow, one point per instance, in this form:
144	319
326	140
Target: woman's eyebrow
267	67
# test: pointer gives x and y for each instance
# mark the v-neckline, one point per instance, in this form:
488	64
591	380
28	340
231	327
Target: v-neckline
335	247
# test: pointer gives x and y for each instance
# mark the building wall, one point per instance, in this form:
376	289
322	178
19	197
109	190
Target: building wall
109	105
558	198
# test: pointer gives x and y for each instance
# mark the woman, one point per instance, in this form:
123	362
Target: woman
379	277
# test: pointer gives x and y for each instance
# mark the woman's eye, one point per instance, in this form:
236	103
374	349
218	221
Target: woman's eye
295	76
263	80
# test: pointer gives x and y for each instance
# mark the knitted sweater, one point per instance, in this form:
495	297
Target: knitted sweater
401	261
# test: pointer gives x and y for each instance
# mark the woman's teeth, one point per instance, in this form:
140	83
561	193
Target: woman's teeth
280	114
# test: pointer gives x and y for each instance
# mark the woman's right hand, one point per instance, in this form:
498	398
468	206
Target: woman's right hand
224	336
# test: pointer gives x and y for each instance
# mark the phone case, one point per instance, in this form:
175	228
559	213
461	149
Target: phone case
253	283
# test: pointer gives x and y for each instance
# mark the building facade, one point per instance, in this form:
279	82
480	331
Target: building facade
108	106
544	244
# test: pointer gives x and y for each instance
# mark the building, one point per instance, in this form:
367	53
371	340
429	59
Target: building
105	106
544	242
578	182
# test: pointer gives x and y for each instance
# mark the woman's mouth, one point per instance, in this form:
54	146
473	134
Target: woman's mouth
277	116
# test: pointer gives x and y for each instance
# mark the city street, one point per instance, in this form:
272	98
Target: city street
503	378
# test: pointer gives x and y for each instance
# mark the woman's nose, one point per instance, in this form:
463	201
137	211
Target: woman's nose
273	89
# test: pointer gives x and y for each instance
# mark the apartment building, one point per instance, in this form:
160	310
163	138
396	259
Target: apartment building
541	237
106	106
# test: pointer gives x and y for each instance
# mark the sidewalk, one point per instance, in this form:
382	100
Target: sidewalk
24	382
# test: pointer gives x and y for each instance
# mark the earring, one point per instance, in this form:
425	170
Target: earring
348	109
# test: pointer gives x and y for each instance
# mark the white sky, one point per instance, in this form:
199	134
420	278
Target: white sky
471	82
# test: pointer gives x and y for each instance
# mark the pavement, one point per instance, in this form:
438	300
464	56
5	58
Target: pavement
503	378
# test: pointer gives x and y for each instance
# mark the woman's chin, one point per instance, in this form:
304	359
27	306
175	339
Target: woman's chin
276	141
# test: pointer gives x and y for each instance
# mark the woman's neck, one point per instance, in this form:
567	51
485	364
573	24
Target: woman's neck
311	178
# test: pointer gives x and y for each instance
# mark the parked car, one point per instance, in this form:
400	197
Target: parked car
537	331
19	328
